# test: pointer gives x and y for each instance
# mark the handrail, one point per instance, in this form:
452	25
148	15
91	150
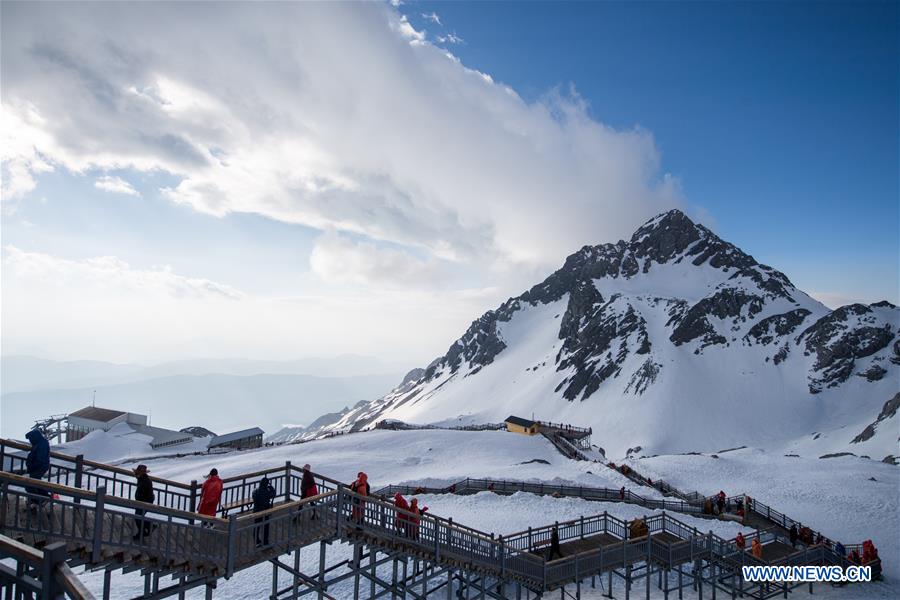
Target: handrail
606	494
381	517
63	575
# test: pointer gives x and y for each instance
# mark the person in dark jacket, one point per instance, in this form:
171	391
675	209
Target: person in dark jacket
839	549
263	499
143	493
554	544
793	535
37	463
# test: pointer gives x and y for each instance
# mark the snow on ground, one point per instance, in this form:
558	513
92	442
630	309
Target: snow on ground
836	496
428	457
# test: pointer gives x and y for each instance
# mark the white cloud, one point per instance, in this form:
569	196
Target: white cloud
106	276
337	258
116	185
104	308
433	17
450	38
340	117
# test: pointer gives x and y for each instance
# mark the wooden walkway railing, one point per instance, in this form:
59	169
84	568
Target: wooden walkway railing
44	573
99	527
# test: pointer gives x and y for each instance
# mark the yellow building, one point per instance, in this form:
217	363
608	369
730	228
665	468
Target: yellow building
520	425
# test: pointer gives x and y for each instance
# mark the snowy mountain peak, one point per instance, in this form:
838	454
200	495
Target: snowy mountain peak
675	325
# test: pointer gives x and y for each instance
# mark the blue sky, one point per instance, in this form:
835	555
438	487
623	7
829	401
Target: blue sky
312	179
779	118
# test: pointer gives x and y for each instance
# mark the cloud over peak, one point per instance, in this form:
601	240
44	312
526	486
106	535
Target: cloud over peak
342	118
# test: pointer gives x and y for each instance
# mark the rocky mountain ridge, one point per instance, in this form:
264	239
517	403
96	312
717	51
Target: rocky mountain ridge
675	312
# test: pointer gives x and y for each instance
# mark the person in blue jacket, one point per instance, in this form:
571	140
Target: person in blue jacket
37	463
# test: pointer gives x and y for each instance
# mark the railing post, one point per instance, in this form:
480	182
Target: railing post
54	555
437	539
339	510
96	543
502	557
3	457
544	578
4	501
79	470
287	481
581	533
232	543
192	506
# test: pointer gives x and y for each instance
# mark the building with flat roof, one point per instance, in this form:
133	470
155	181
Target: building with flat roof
163	438
240	440
91	418
520	425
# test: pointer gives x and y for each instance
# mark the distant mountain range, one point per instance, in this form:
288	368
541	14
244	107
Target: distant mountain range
221	395
29	373
673	341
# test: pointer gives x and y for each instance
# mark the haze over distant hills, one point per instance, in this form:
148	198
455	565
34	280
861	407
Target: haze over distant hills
221	394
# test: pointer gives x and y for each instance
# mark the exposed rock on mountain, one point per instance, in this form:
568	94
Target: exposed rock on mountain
673	340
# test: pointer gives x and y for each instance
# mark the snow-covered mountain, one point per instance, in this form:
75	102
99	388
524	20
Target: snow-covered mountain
673	341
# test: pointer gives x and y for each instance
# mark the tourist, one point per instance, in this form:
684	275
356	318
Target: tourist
756	548
142	493
839	549
622	493
361	488
210	495
555	549
415	518
37	463
263	499
740	542
720	502
793	535
308	487
401	521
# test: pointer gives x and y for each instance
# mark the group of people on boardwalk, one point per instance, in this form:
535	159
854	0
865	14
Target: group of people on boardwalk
408	516
210	501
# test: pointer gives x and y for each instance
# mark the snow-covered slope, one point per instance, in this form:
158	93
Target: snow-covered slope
673	341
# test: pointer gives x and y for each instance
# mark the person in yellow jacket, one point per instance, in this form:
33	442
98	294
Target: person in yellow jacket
756	548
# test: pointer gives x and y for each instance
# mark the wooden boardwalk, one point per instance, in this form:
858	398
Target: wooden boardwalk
99	529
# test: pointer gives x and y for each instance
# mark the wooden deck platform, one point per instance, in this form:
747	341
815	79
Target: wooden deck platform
776	550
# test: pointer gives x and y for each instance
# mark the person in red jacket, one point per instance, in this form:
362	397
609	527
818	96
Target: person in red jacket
401	521
740	542
415	517
210	495
361	488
